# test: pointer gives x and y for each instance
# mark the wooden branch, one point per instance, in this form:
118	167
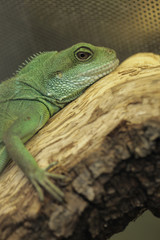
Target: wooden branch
108	143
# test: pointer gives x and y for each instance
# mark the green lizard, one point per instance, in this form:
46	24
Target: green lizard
39	90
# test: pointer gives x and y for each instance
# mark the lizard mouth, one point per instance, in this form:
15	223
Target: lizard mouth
91	76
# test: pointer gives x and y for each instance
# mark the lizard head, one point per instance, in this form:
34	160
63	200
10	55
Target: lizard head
72	70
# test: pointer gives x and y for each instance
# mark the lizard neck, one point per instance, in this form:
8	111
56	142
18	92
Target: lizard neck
51	104
21	90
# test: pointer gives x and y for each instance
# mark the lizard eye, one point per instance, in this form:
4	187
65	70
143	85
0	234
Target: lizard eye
83	54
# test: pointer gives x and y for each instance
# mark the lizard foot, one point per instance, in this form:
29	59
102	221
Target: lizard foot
41	179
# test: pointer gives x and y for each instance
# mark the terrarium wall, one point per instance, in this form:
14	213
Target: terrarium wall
30	26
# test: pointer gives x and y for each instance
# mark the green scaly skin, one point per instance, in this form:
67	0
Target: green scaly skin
38	91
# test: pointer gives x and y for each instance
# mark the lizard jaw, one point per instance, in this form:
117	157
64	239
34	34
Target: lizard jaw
91	76
88	78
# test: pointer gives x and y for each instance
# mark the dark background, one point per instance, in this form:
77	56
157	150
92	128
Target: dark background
30	26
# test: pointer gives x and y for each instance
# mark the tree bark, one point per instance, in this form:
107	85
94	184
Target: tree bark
108	142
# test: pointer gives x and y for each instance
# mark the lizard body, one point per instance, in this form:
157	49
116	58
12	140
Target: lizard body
39	90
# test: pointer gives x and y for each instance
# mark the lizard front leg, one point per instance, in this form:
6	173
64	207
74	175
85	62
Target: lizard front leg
4	158
23	128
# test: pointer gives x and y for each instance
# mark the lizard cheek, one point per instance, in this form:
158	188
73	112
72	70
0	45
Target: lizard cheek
59	75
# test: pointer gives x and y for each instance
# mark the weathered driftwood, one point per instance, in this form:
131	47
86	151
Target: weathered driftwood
108	143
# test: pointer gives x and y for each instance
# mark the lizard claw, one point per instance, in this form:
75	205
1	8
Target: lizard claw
49	167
